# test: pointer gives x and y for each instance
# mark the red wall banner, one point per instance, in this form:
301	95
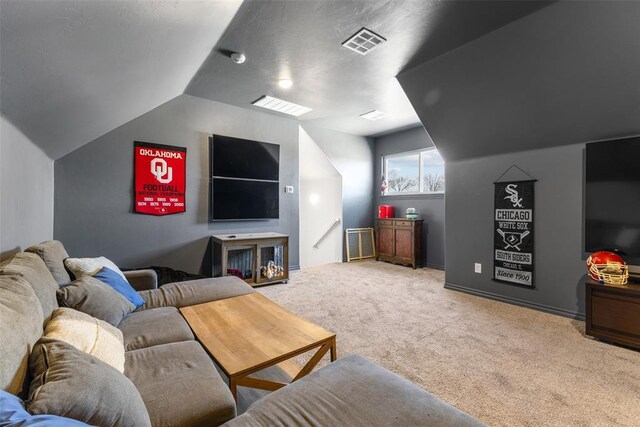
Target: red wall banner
160	178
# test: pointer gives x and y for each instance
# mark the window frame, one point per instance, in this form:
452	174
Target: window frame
420	192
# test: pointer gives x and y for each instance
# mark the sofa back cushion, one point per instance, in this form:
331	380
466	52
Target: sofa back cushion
97	299
21	322
53	254
33	270
68	382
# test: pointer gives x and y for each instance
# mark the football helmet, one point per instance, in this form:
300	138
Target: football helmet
608	267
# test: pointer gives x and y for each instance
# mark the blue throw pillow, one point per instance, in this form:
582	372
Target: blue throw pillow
13	414
120	285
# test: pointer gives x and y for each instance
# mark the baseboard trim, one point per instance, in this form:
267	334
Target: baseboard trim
515	301
294	267
436	266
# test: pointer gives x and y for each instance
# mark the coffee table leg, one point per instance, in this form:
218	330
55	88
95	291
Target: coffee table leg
334	351
234	388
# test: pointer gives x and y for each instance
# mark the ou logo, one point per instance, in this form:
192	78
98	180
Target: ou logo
159	169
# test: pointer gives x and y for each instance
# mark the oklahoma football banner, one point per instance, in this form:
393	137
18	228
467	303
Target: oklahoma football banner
513	232
160	178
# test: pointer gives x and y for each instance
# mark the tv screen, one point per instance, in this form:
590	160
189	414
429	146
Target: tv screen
241	158
612	199
239	199
244	179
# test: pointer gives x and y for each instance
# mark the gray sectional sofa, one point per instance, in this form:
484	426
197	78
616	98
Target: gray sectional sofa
175	377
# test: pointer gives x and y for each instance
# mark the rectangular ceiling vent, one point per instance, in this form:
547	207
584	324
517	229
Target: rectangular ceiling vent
364	41
281	106
373	115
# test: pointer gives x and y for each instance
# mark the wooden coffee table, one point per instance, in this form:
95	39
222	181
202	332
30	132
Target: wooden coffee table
248	333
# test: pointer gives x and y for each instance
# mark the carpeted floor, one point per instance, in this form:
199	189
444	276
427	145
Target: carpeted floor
503	364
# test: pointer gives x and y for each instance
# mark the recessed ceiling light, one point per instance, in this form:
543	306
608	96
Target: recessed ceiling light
285	83
364	41
373	115
281	106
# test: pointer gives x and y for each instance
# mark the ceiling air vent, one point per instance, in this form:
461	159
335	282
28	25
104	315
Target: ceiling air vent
373	115
281	106
364	41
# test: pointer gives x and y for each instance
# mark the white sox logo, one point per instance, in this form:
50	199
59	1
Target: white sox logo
513	239
159	169
513	197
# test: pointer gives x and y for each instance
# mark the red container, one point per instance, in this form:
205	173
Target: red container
385	211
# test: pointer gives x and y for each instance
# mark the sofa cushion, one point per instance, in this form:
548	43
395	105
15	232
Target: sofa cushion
53	254
71	383
89	266
352	392
180	385
21	321
95	298
194	292
119	284
12	413
86	333
156	326
32	268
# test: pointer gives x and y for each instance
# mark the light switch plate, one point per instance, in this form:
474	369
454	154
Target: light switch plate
288	189
478	268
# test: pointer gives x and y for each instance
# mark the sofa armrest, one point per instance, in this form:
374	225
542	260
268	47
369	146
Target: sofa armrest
192	292
352	392
142	280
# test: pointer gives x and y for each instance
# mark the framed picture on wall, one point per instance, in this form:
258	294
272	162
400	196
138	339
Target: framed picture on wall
160	173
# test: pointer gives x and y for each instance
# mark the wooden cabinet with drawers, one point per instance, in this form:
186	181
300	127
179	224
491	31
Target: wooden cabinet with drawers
399	241
613	312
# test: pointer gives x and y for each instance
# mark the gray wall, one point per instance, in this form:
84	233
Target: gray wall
559	265
93	194
353	157
562	76
431	207
26	191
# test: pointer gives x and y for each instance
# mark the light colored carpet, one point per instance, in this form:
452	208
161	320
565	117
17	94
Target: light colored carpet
503	364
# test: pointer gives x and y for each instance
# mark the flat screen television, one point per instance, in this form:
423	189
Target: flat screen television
245	179
612	197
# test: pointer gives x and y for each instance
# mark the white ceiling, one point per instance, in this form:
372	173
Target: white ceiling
73	70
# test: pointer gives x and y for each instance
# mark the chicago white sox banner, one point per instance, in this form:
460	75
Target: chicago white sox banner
160	178
513	233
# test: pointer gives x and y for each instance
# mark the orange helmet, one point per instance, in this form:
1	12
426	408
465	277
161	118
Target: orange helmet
608	267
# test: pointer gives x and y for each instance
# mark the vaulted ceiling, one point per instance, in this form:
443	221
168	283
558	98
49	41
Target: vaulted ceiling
567	74
73	70
301	41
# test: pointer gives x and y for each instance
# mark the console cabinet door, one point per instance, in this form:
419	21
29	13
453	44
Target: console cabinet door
404	244
385	241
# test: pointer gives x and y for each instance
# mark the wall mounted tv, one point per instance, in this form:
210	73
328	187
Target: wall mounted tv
612	197
244	179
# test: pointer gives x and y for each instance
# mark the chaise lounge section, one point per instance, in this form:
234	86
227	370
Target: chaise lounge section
177	381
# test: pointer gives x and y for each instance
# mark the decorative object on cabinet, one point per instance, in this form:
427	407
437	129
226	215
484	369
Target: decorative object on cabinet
257	258
411	213
385	211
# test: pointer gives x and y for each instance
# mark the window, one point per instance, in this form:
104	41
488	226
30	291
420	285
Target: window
415	172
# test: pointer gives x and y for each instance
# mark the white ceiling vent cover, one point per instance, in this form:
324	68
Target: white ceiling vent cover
373	115
364	41
281	106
